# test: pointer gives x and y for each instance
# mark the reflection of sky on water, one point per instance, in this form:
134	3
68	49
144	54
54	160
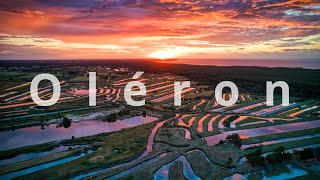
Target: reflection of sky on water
34	135
23	157
41	167
211	140
291	172
280	141
163	172
287	173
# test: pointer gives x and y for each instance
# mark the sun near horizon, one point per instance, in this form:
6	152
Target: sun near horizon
163	55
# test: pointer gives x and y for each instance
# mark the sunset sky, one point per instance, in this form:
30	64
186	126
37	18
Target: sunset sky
111	29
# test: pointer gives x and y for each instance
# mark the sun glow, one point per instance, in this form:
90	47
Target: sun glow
163	54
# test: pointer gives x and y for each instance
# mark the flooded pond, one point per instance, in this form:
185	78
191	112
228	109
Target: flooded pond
287	172
247	133
236	176
41	167
27	156
187	134
274	109
169	96
163	172
200	122
252	123
197	105
35	135
243	147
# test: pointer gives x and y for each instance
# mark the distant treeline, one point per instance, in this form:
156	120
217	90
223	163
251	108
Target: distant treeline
303	83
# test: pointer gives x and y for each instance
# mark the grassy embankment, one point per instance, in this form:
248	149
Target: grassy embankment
176	171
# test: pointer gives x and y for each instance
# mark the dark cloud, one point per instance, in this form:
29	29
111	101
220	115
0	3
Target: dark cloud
301	50
293	44
270	2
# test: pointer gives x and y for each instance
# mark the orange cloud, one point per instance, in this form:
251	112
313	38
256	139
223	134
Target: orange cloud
138	28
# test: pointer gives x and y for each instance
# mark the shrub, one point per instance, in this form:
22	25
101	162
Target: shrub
278	156
144	113
111	118
235	139
305	154
123	112
66	122
255	158
229	162
221	142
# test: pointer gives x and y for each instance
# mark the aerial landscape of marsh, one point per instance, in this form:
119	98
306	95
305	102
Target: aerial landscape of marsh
160	89
158	140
